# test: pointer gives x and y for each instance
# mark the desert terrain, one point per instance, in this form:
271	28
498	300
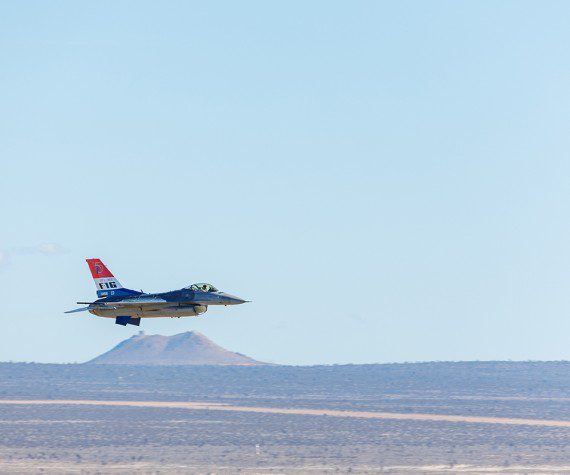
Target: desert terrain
480	417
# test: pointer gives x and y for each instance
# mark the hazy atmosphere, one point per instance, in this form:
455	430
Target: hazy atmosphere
386	182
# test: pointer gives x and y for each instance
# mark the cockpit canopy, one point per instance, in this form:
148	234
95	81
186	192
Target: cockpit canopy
202	287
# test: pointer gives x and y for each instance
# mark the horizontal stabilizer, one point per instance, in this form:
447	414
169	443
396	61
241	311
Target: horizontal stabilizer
82	309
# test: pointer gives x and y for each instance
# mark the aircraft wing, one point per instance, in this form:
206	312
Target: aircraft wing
132	302
121	304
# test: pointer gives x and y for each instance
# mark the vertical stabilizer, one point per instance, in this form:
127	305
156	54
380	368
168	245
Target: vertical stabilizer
105	282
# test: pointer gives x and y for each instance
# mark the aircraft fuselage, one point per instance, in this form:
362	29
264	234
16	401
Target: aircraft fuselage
175	303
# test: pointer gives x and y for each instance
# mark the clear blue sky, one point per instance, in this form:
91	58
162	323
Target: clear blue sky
387	181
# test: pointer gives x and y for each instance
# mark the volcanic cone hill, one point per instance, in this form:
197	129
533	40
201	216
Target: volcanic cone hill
189	348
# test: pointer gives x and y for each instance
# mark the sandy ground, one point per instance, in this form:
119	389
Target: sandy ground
57	468
201	406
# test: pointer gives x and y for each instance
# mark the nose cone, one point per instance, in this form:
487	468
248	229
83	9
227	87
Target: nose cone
228	299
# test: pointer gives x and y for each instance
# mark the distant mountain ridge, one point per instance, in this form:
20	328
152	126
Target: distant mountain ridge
189	348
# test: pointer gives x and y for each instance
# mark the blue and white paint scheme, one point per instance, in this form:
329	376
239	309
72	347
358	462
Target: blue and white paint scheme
128	306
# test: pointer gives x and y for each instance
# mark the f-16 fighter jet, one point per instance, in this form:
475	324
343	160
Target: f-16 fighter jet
128	306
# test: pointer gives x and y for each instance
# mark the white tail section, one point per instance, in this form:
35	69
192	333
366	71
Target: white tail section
105	282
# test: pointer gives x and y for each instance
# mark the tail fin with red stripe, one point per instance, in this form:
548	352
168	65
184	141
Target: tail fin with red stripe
105	282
